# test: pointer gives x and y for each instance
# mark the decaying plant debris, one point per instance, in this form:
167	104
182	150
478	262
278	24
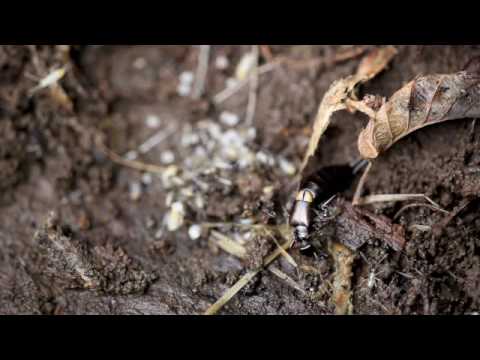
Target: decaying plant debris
336	96
168	202
354	226
425	101
335	100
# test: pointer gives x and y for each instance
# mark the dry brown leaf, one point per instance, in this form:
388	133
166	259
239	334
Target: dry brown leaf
336	96
425	101
335	100
375	62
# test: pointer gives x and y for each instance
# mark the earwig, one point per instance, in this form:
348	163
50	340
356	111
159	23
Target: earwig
425	101
316	188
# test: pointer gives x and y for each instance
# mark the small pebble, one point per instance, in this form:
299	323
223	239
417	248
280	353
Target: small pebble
187	192
184	90
287	167
189	139
159	234
152	121
245	66
139	63
268	190
199	202
169	199
195	232
147	179
251	134
265	159
175	217
168	175
135	191
167	157
245	161
229	119
222	62
187	78
131	155
246	221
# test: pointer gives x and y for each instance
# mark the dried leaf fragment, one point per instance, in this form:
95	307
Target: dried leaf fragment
340	91
427	100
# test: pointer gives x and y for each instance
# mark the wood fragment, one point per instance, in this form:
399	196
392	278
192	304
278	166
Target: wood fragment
355	226
342	280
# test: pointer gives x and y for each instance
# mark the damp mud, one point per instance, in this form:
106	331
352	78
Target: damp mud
85	232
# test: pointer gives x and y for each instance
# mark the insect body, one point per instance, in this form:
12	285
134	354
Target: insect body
319	188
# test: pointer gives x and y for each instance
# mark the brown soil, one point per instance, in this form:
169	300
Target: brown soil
76	240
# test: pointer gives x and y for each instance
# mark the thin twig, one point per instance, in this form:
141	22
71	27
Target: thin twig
409	206
373	199
252	95
202	72
235	249
230	91
152	142
244	280
285	254
137	165
438	228
281	275
361	185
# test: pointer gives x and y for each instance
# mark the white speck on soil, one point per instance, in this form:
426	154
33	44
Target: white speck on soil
231	83
187	78
265	159
228	118
167	157
131	155
222	62
195	232
245	66
139	63
184	90
286	166
174	219
152	121
147	179
135	191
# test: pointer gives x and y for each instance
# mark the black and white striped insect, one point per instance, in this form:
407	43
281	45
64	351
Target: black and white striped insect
319	188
